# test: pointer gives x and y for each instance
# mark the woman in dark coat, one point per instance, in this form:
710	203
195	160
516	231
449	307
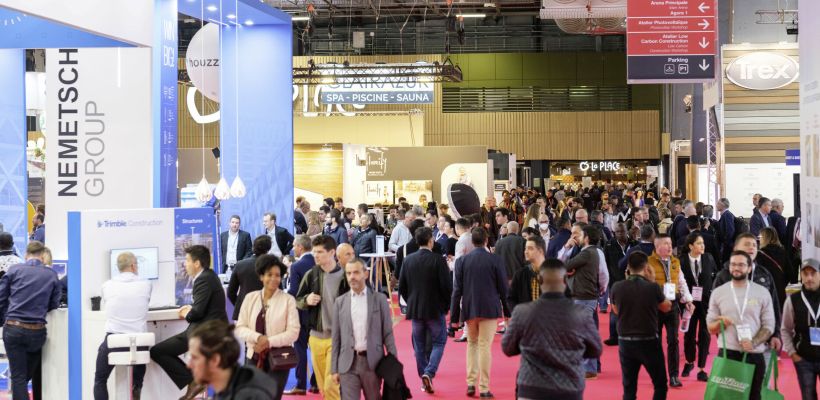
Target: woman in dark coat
772	256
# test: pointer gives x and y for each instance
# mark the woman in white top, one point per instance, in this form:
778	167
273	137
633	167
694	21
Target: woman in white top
271	310
532	216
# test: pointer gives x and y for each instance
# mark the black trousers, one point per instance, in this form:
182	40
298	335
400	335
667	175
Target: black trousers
166	353
697	337
103	371
646	353
760	368
671	321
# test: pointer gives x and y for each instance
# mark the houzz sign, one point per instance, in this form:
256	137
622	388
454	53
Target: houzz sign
762	70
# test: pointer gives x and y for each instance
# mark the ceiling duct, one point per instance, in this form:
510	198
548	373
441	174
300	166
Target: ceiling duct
572	9
592	26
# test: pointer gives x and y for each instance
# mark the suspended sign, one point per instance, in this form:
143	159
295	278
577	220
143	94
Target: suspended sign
378	93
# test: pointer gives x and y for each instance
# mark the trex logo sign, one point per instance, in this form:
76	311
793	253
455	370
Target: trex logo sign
762	71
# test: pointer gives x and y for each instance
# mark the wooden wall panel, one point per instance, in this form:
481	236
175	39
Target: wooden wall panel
318	170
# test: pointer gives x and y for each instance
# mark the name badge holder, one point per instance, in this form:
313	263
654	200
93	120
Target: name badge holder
697	293
744	331
669	291
814	331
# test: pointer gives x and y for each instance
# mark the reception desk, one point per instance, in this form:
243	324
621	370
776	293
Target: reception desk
157	385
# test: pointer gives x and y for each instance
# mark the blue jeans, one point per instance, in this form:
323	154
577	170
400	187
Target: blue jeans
427	362
602	301
24	348
590	364
807	372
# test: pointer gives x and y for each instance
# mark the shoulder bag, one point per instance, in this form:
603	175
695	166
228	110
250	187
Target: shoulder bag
274	358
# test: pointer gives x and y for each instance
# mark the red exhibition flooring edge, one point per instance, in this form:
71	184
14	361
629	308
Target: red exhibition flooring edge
450	380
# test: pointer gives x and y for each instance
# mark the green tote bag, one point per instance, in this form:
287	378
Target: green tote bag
765	392
729	379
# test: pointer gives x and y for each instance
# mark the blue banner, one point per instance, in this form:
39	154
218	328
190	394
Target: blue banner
165	106
793	157
13	179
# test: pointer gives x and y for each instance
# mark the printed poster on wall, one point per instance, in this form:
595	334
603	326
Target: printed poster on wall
99	130
192	226
414	190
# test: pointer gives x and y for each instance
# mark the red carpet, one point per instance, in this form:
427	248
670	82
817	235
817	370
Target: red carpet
450	381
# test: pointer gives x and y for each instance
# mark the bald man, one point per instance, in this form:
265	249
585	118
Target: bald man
345	253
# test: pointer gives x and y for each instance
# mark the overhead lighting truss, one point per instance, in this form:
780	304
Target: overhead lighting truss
346	73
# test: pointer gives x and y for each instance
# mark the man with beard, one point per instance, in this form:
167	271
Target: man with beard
798	328
746	311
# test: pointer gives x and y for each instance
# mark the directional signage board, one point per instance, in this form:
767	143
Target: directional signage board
671	41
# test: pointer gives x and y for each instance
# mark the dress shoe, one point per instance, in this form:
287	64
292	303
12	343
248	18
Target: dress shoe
687	368
591	376
470	390
313	389
611	342
675	382
486	395
501	331
428	383
194	389
295	392
461	339
603	311
703	376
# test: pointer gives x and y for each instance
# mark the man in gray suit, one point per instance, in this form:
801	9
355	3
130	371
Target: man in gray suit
362	330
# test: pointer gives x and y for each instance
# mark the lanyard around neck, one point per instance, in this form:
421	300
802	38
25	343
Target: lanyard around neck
740	310
812	314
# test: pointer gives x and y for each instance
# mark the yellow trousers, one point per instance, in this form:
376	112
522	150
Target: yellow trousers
480	334
320	357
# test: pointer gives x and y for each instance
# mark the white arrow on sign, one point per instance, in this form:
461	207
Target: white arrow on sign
703	65
704	25
703	43
703	7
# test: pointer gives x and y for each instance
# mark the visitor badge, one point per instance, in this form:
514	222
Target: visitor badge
814	334
744	332
669	291
697	293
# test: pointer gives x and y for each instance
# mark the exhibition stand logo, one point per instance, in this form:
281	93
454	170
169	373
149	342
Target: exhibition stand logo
762	70
118	223
606	166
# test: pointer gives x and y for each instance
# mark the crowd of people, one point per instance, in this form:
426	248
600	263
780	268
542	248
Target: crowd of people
539	268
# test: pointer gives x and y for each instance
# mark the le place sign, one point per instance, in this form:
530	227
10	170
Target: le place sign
595	166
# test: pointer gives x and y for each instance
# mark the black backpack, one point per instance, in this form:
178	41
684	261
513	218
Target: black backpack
741	226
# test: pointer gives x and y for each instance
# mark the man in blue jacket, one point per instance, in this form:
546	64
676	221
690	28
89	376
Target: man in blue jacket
560	239
479	299
646	245
301	250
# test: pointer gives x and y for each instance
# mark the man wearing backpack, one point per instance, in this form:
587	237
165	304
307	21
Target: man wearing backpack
726	227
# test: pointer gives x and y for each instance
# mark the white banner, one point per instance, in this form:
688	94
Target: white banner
98	134
810	131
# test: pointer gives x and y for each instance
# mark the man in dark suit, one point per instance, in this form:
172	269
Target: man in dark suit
726	227
693	223
426	286
244	278
299	222
560	239
511	249
679	228
614	252
281	239
236	244
779	222
208	304
761	218
698	269
304	262
479	299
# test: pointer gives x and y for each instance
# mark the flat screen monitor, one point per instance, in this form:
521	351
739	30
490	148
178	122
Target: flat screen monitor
147	261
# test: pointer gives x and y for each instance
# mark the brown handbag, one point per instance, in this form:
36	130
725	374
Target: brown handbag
276	358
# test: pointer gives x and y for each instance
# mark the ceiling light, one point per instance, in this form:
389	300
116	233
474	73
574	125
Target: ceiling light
302	18
476	15
230	16
212	8
248	22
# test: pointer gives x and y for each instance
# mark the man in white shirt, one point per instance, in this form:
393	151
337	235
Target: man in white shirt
125	298
464	245
236	244
401	233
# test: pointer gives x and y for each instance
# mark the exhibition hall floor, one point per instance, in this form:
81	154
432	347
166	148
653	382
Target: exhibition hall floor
450	381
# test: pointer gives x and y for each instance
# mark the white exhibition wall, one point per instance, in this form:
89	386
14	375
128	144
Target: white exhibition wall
744	180
810	130
99	127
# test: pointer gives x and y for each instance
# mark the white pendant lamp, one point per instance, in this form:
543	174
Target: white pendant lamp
203	190
237	187
222	191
